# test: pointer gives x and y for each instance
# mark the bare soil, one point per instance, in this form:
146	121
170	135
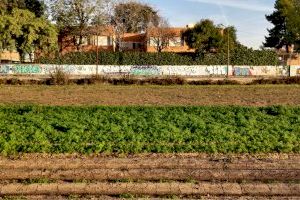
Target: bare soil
183	175
254	95
235	189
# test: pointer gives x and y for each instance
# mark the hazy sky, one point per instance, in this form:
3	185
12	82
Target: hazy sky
248	16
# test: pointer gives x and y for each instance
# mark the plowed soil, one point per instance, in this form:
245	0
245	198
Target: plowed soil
254	95
153	175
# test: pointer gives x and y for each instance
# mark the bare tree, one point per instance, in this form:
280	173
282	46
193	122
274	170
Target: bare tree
135	16
161	35
73	17
128	16
108	8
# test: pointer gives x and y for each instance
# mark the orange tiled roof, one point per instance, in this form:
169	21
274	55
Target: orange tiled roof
177	30
101	30
134	37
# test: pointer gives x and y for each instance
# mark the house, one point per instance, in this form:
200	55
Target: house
9	57
104	39
95	38
294	60
172	36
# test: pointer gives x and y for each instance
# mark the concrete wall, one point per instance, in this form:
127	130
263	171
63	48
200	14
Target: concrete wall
27	69
295	71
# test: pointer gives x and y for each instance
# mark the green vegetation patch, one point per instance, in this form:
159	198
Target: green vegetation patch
223	129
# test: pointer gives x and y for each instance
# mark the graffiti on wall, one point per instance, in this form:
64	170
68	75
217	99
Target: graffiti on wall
194	70
27	69
4	69
216	70
20	69
242	71
145	71
152	70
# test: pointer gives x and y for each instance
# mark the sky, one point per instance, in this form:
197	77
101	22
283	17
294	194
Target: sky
248	16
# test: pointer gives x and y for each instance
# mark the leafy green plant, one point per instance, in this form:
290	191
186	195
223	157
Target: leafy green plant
123	130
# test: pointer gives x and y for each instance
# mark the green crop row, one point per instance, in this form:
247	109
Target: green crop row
223	129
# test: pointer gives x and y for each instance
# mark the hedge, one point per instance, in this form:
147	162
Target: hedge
237	57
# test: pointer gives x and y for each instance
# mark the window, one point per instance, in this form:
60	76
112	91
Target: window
137	45
109	41
152	42
176	42
100	40
84	40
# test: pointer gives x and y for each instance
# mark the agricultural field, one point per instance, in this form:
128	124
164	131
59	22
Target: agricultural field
130	130
244	95
162	142
168	176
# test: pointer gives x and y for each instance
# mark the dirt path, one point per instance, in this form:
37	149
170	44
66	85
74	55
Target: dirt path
182	175
255	95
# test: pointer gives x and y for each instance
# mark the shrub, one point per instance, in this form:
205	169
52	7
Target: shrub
59	77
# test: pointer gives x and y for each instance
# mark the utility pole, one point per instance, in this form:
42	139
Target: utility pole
228	46
228	52
97	53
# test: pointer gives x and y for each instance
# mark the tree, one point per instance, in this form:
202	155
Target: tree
26	33
8	28
127	16
36	6
206	37
293	17
73	17
161	35
135	16
284	32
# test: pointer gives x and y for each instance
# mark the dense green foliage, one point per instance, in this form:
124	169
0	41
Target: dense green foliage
240	56
37	7
149	129
286	21
205	37
21	30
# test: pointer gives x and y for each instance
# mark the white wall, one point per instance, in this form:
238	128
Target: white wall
148	70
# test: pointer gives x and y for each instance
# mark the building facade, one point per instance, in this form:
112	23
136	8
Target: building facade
133	42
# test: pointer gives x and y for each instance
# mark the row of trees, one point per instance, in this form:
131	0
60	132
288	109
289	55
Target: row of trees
26	25
74	17
34	25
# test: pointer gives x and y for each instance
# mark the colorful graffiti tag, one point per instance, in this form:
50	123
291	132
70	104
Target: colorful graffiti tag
242	71
20	69
27	69
145	71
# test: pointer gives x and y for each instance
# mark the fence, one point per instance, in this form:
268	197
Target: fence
151	70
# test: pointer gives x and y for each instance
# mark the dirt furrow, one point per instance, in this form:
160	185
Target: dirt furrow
150	162
233	189
102	197
152	174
